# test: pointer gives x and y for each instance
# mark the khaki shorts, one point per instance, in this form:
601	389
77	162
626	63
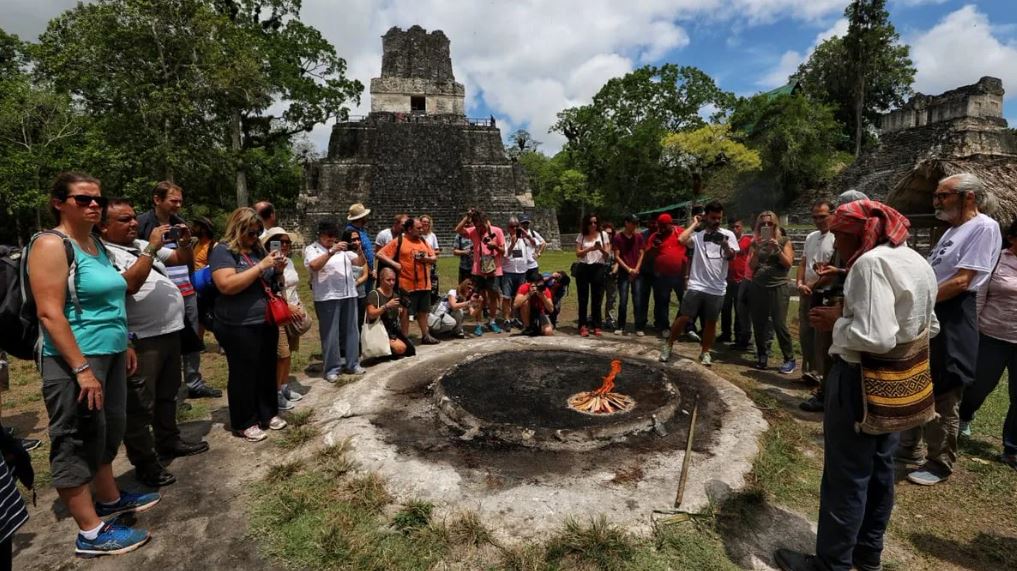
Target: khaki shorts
287	345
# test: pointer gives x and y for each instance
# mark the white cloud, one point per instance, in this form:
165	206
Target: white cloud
912	3
791	59
959	50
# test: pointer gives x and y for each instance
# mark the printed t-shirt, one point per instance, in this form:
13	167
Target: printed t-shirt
973	245
414	274
158	306
708	273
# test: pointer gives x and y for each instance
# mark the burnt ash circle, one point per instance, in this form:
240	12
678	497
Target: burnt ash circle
521	397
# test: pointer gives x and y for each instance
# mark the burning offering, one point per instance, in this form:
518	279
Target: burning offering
602	400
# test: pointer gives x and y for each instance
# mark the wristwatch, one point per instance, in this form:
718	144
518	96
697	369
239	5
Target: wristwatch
150	251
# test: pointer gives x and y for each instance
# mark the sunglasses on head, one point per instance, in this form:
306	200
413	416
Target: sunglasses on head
85	200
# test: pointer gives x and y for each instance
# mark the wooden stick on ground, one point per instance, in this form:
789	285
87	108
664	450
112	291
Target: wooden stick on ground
688	455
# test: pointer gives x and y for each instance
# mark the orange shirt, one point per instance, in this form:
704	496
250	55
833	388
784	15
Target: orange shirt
201	250
415	275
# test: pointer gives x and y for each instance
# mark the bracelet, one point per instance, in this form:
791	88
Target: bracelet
149	251
81	369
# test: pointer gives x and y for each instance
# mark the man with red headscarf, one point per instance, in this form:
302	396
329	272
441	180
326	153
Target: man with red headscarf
889	296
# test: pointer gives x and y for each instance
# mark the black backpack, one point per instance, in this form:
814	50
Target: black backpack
20	335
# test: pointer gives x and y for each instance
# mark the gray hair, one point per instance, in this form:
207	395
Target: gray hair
513	221
968	183
850	195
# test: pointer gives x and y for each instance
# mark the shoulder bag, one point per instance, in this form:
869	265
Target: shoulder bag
897	388
277	311
374	336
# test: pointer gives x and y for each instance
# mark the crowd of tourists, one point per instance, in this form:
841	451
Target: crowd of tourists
123	302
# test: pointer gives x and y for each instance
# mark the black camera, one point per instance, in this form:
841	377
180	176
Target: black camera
541	286
519	232
715	237
171	235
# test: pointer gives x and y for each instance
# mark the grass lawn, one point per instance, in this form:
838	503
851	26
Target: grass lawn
324	512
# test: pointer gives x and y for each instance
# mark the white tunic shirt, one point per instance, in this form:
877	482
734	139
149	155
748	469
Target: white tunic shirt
889	297
818	248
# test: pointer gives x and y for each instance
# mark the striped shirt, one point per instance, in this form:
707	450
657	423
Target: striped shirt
12	508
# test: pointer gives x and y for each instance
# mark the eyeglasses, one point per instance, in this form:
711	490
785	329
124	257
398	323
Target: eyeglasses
85	200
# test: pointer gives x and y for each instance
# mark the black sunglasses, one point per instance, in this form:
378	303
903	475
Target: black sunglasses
84	200
254	233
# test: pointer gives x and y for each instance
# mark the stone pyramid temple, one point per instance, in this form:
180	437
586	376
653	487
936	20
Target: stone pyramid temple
417	152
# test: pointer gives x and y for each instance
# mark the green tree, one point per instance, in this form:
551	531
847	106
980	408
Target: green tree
521	142
706	150
616	140
796	137
864	73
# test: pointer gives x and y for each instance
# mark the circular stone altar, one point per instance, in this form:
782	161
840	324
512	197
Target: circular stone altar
522	397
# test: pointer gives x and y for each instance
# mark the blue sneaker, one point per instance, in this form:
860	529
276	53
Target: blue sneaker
479	331
788	367
113	539
127	503
494	327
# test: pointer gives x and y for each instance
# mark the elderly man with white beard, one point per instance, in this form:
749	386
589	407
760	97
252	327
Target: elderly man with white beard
963	259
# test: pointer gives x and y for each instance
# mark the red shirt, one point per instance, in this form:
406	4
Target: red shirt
671	257
738	268
535	303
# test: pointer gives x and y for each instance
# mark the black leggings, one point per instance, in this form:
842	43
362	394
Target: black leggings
590	283
251	358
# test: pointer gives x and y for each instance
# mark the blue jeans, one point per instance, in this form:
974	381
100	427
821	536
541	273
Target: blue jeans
663	286
994	355
856	494
337	325
636	286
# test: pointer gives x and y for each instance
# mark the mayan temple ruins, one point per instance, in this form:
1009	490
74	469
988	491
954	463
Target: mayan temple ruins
417	152
934	136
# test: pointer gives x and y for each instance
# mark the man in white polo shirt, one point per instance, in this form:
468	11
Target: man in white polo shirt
714	248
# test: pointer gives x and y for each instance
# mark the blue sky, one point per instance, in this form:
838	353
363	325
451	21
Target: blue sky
524	60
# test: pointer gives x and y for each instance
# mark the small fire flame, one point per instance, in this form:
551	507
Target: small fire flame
602	400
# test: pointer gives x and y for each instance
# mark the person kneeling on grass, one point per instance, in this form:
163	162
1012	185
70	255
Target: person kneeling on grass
383	303
447	315
713	250
534	303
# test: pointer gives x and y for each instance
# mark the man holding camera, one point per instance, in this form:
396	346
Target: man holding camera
519	254
155	320
168	199
488	251
535	303
714	248
411	257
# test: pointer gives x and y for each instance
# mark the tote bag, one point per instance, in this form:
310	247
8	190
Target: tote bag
374	339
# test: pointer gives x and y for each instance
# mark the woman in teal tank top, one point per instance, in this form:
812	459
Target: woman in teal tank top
84	366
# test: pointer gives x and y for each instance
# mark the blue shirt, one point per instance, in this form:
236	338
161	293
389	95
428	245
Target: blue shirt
365	243
100	328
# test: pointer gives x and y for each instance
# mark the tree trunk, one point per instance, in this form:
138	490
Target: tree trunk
242	196
859	110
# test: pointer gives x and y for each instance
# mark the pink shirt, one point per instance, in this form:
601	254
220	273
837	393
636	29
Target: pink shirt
997	300
496	248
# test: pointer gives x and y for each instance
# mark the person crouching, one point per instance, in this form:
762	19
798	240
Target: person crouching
534	303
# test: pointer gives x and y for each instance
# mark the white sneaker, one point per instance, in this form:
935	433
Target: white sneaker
277	423
292	395
640	333
706	360
617	331
254	434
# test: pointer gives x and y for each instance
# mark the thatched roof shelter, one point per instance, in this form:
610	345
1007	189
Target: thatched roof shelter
912	194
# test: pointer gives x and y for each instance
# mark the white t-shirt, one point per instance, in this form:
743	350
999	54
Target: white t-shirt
973	245
818	248
335	280
158	307
290	280
517	260
383	237
432	241
442	307
708	272
593	256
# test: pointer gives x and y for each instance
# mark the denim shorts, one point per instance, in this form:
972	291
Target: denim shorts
510	283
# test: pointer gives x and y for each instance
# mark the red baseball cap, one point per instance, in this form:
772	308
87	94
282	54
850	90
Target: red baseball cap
664	218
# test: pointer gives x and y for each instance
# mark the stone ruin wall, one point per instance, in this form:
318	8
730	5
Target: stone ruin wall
980	100
436	167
